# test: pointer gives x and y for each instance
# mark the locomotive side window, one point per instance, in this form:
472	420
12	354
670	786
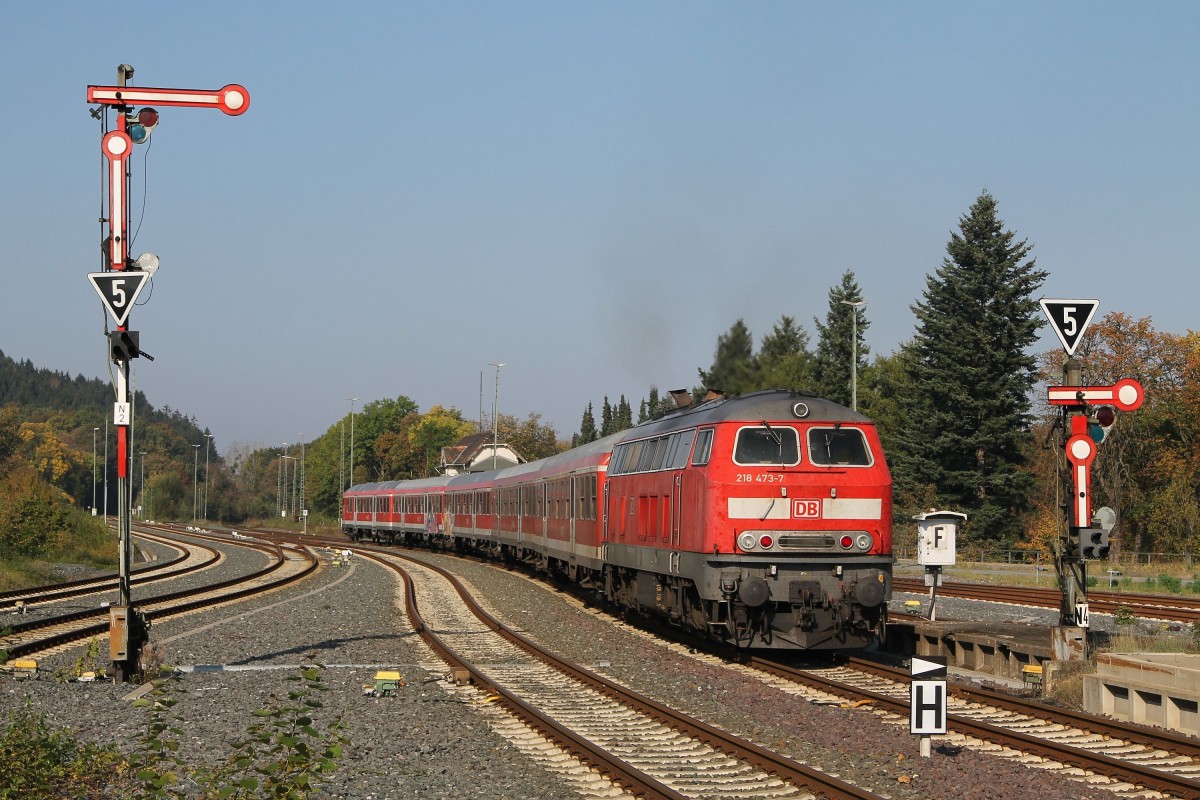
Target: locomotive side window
838	447
681	448
769	444
703	448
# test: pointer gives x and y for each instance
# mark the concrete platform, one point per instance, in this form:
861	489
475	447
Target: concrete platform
1002	649
1160	689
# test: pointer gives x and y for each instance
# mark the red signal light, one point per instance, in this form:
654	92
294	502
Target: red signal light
847	542
148	117
765	541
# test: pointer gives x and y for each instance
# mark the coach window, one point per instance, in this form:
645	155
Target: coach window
703	448
838	447
774	445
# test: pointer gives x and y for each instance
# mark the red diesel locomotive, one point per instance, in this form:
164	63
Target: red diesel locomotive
762	520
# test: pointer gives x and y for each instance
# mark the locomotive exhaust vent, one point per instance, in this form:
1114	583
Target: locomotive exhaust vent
682	397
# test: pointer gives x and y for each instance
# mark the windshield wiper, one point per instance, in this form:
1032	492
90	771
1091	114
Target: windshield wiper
773	434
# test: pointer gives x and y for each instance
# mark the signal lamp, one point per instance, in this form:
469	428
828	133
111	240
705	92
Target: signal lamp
765	541
146	262
864	541
1101	423
847	541
1093	543
745	541
124	345
142	125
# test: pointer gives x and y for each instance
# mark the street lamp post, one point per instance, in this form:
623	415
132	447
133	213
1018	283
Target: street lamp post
855	305
195	480
279	486
351	474
142	484
207	441
495	412
94	432
106	469
301	495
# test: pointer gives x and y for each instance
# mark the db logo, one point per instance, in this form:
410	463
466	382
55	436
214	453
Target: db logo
806	509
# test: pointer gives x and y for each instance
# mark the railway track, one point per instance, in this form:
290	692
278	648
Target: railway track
1147	606
649	749
189	558
1134	760
52	633
1126	759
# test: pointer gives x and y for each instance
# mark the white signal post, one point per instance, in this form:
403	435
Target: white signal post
927	700
127	626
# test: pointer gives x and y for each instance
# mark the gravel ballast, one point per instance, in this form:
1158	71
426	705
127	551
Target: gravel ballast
431	741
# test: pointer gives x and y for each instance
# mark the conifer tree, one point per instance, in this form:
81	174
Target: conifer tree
784	361
623	418
734	369
587	428
607	427
839	344
968	414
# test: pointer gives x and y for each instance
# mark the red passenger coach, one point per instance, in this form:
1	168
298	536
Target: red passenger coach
762	520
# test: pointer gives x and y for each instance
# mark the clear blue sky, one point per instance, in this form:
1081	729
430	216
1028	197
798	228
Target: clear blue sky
589	192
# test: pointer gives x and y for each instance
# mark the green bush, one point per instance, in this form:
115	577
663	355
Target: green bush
1170	583
41	763
1124	616
282	756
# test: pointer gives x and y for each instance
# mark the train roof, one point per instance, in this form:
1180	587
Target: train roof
772	405
590	454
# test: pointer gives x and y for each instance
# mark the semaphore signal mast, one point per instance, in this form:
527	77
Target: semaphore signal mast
119	285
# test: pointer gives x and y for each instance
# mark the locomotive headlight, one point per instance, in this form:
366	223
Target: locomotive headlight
864	541
745	541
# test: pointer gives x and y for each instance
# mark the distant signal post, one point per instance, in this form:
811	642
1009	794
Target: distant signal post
1088	412
119	285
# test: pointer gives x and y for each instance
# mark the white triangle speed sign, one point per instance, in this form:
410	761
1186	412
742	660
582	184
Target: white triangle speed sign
1069	318
119	290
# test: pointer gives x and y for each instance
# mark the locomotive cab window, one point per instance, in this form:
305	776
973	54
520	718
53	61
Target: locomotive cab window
773	445
838	447
703	448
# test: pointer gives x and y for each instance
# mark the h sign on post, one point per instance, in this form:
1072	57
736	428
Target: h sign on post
927	712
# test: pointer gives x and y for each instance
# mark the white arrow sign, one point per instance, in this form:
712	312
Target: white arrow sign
119	290
930	666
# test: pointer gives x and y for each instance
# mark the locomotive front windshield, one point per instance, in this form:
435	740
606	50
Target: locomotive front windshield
838	447
769	445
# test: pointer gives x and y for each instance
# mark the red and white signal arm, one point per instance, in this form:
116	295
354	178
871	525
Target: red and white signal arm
233	99
1081	451
1126	394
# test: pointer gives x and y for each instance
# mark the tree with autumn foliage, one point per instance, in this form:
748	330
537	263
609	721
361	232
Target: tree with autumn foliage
1147	468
